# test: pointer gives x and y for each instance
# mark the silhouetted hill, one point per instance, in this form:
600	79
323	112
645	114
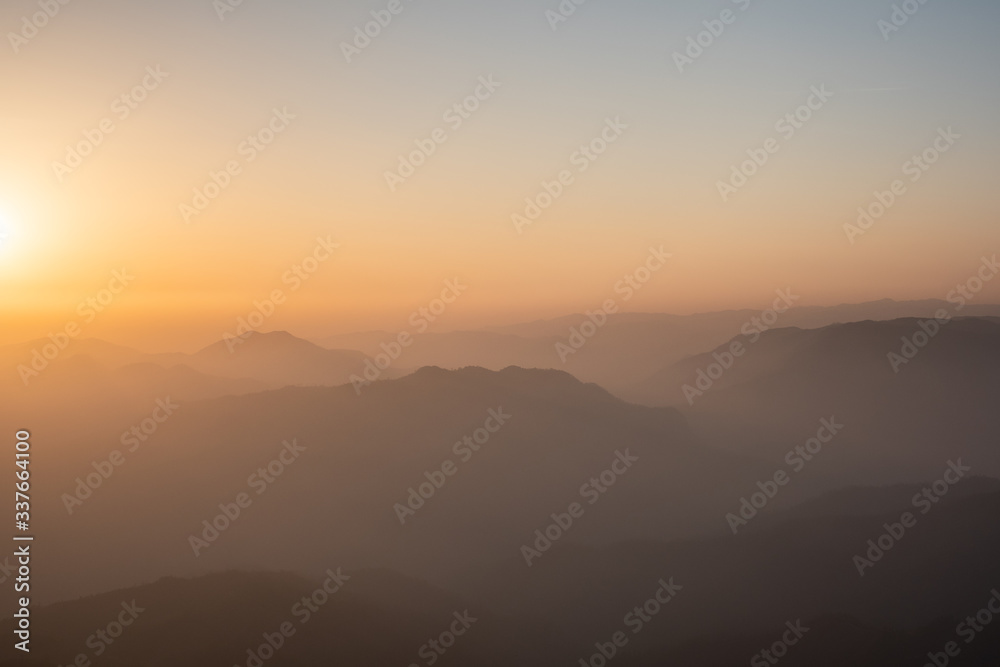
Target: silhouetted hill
629	347
375	618
364	453
279	359
945	566
456	349
862	501
898	426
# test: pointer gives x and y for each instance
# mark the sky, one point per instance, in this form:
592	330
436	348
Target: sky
331	122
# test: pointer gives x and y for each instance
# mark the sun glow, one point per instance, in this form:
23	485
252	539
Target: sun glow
11	238
6	228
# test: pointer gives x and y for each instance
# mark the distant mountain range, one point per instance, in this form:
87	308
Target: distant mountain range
628	351
359	465
375	618
737	596
898	425
630	347
238	366
547	504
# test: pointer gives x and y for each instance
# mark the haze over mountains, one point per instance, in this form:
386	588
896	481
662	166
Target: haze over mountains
630	349
500	334
546	502
554	434
256	362
737	594
900	425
